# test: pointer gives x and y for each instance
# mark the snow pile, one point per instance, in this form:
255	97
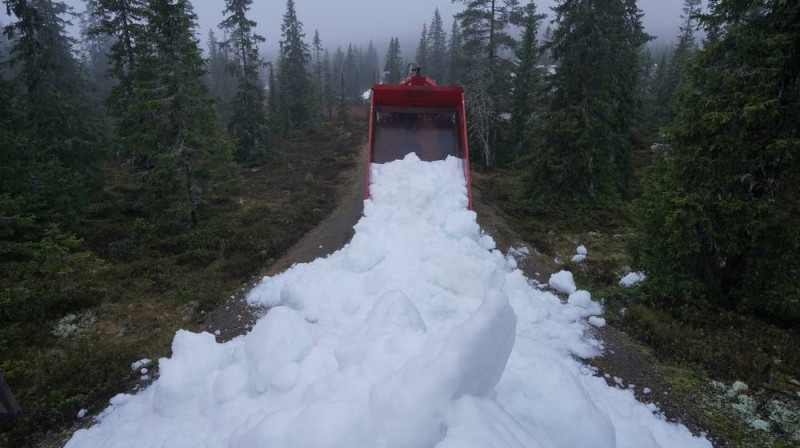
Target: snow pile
580	254
562	281
632	278
416	334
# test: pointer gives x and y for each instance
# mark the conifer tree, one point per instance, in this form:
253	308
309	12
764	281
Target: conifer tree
328	91
486	67
351	75
124	21
172	134
49	163
526	85
394	62
248	124
316	45
422	49
221	80
455	67
95	49
437	40
586	137
343	114
720	211
683	50
294	83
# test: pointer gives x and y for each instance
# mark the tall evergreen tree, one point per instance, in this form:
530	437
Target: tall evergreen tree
526	85
221	80
328	90
437	39
351	75
173	134
586	139
294	83
248	124
487	67
124	21
720	212
423	49
455	67
48	164
316	45
393	68
95	49
683	50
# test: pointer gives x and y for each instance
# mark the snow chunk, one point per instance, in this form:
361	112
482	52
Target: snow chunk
632	278
275	346
140	363
562	281
598	322
82	413
578	258
581	250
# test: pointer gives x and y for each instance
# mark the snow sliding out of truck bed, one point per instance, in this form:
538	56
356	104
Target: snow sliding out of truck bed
417	334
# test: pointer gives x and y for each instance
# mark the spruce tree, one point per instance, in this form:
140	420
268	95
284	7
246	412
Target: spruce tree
720	212
437	40
316	45
294	83
248	124
328	90
49	164
487	68
124	21
422	49
586	138
351	75
455	67
526	85
393	67
683	50
221	80
173	136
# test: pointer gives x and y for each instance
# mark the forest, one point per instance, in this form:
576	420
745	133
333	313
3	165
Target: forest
126	152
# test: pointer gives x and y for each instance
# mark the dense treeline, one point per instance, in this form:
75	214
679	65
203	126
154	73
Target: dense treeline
719	210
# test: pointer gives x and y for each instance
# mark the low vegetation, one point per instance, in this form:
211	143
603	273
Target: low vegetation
115	292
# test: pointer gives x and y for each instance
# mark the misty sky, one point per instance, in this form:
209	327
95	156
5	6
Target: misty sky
357	21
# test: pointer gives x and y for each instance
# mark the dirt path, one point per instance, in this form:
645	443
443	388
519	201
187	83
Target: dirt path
235	317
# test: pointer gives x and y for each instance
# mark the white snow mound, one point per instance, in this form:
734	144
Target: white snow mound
562	281
632	278
416	335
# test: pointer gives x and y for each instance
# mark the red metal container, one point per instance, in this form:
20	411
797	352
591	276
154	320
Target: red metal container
420	117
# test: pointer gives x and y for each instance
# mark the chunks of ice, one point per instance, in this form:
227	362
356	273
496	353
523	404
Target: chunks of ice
581	250
140	363
632	278
562	281
578	258
276	344
598	322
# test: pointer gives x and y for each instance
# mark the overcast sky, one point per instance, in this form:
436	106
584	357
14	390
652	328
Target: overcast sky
357	21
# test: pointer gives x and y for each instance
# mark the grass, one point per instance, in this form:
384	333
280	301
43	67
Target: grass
157	280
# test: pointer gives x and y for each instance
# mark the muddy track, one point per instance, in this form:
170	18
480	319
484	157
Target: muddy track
235	317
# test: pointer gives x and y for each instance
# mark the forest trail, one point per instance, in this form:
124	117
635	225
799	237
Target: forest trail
418	333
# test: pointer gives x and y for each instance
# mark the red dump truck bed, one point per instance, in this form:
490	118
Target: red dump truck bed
420	117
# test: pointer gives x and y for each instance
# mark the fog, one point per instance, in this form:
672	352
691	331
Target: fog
342	21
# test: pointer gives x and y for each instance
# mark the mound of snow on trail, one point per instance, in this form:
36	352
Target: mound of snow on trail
416	334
